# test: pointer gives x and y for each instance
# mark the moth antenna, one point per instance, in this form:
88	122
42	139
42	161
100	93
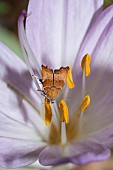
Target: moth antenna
37	78
41	91
44	94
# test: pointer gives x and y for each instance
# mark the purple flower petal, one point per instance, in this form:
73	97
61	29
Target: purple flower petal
90	152
12	128
103	136
17	153
56	29
102	27
17	97
18	118
15	73
99	84
79	152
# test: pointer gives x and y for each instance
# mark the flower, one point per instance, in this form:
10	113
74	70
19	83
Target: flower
59	33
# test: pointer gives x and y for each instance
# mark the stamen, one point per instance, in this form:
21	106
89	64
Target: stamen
85	103
85	64
48	112
63	134
83	106
83	85
69	79
25	42
26	48
20	32
64	111
55	115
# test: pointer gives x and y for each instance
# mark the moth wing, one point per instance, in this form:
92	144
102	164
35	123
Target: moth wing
60	77
47	76
52	91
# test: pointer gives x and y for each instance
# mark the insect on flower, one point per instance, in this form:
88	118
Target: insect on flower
53	81
58	34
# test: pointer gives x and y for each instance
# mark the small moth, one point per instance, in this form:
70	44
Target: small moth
53	81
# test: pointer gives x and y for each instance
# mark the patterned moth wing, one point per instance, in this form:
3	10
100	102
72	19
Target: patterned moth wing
47	77
47	80
53	81
60	77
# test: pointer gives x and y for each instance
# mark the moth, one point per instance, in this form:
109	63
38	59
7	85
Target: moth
53	81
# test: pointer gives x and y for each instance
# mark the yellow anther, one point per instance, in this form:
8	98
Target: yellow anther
64	111
69	79
85	64
48	112
85	103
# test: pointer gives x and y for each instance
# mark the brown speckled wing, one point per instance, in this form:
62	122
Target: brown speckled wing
60	77
47	76
53	82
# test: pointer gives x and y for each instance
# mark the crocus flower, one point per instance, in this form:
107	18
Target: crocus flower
58	33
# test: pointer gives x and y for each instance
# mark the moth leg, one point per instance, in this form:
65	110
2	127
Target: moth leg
42	92
35	76
45	95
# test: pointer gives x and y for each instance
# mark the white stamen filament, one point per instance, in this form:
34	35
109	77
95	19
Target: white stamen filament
83	85
26	49
81	122
55	117
63	134
83	94
56	111
66	94
29	50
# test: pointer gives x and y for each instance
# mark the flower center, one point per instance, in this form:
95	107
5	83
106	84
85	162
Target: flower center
57	118
70	129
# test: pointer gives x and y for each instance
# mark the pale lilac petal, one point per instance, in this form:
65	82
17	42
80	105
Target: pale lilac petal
79	152
18	99
12	128
15	73
100	30
17	112
17	153
99	84
103	136
55	29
